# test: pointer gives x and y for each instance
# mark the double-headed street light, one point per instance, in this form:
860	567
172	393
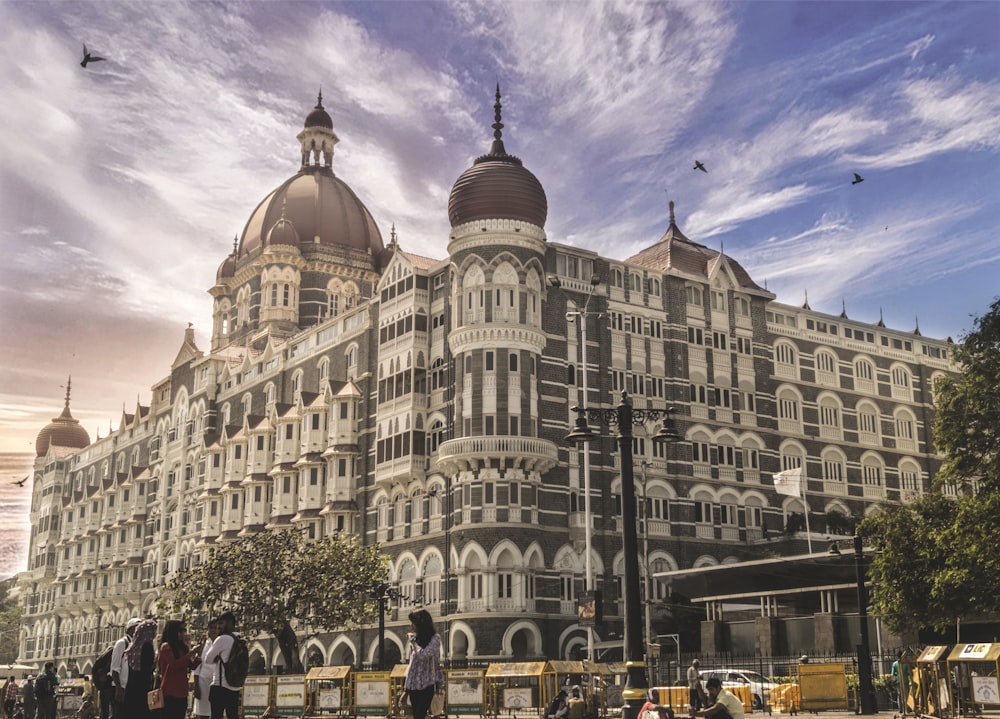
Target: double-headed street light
624	416
582	314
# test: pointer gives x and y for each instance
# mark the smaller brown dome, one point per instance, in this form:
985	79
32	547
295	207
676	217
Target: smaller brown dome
319	117
283	232
63	431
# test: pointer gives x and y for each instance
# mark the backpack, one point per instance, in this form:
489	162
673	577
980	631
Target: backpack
101	671
43	687
238	665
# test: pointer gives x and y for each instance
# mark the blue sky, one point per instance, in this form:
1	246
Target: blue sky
123	184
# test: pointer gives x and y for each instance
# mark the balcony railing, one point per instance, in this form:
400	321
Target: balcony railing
463	453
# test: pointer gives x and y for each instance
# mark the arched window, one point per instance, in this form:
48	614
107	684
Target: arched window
826	368
864	375
834	467
830	426
789	410
901	383
906	430
695	295
786	360
869	424
873	476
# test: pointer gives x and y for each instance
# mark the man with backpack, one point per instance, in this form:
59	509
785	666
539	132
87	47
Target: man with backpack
231	658
45	692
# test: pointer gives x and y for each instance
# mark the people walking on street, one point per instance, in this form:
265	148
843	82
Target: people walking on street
203	675
119	669
28	697
424	676
10	693
45	692
141	658
175	660
223	697
695	690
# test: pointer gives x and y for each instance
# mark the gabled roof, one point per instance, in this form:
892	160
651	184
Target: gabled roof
675	252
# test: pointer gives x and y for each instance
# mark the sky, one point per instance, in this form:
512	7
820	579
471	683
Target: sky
122	184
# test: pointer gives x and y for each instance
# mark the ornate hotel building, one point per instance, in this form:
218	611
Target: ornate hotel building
423	404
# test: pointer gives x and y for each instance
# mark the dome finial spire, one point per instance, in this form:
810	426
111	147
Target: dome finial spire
497	148
69	387
319	99
673	220
236	245
805	305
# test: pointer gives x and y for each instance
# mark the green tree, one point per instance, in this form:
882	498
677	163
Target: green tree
967	423
274	580
938	559
10	623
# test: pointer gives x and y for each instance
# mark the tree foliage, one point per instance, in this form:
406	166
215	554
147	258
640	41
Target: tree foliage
277	581
10	623
937	561
939	558
967	423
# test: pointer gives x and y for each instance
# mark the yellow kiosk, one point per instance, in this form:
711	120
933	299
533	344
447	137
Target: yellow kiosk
519	689
328	692
975	668
930	684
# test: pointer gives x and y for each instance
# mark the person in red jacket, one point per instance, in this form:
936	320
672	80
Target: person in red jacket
176	659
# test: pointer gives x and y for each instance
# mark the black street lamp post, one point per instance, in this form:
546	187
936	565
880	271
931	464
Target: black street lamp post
866	690
624	416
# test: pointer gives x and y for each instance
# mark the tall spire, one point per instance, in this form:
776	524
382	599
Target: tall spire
843	308
805	305
66	414
881	319
497	148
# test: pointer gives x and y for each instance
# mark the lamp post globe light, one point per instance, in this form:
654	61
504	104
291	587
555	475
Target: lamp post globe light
624	416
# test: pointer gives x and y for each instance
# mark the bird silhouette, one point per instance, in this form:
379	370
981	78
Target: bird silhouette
87	57
699	166
857	178
20	482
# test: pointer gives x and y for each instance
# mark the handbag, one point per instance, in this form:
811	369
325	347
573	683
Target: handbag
437	704
154	697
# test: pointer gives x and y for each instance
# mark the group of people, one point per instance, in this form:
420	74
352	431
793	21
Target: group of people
137	668
36	695
568	706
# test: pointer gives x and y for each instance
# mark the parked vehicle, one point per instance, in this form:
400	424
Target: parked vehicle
759	685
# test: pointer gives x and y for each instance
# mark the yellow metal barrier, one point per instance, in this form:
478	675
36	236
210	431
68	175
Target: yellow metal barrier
823	686
328	692
290	695
257	696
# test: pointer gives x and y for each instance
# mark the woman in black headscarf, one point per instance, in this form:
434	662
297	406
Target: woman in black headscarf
141	657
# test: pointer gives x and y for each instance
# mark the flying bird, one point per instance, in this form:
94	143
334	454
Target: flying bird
699	166
20	482
87	57
857	178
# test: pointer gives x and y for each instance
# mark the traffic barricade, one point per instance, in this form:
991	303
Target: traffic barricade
930	683
328	692
465	692
823	686
397	678
257	697
975	668
371	693
677	698
519	688
290	695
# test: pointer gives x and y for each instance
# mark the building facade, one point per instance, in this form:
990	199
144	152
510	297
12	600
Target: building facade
422	404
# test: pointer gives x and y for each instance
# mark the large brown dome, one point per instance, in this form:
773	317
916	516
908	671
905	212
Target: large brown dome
322	209
63	431
497	187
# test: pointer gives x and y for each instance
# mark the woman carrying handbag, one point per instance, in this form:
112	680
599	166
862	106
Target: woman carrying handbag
175	660
141	657
423	677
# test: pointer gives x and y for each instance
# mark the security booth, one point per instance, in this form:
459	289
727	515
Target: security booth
465	692
930	688
371	693
257	697
328	692
397	677
289	695
823	686
69	697
615	674
975	668
520	689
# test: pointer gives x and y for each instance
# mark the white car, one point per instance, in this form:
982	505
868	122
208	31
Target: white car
760	686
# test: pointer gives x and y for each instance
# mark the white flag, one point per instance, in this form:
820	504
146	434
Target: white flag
789	482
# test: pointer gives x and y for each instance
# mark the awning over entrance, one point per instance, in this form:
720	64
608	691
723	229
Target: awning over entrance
785	577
